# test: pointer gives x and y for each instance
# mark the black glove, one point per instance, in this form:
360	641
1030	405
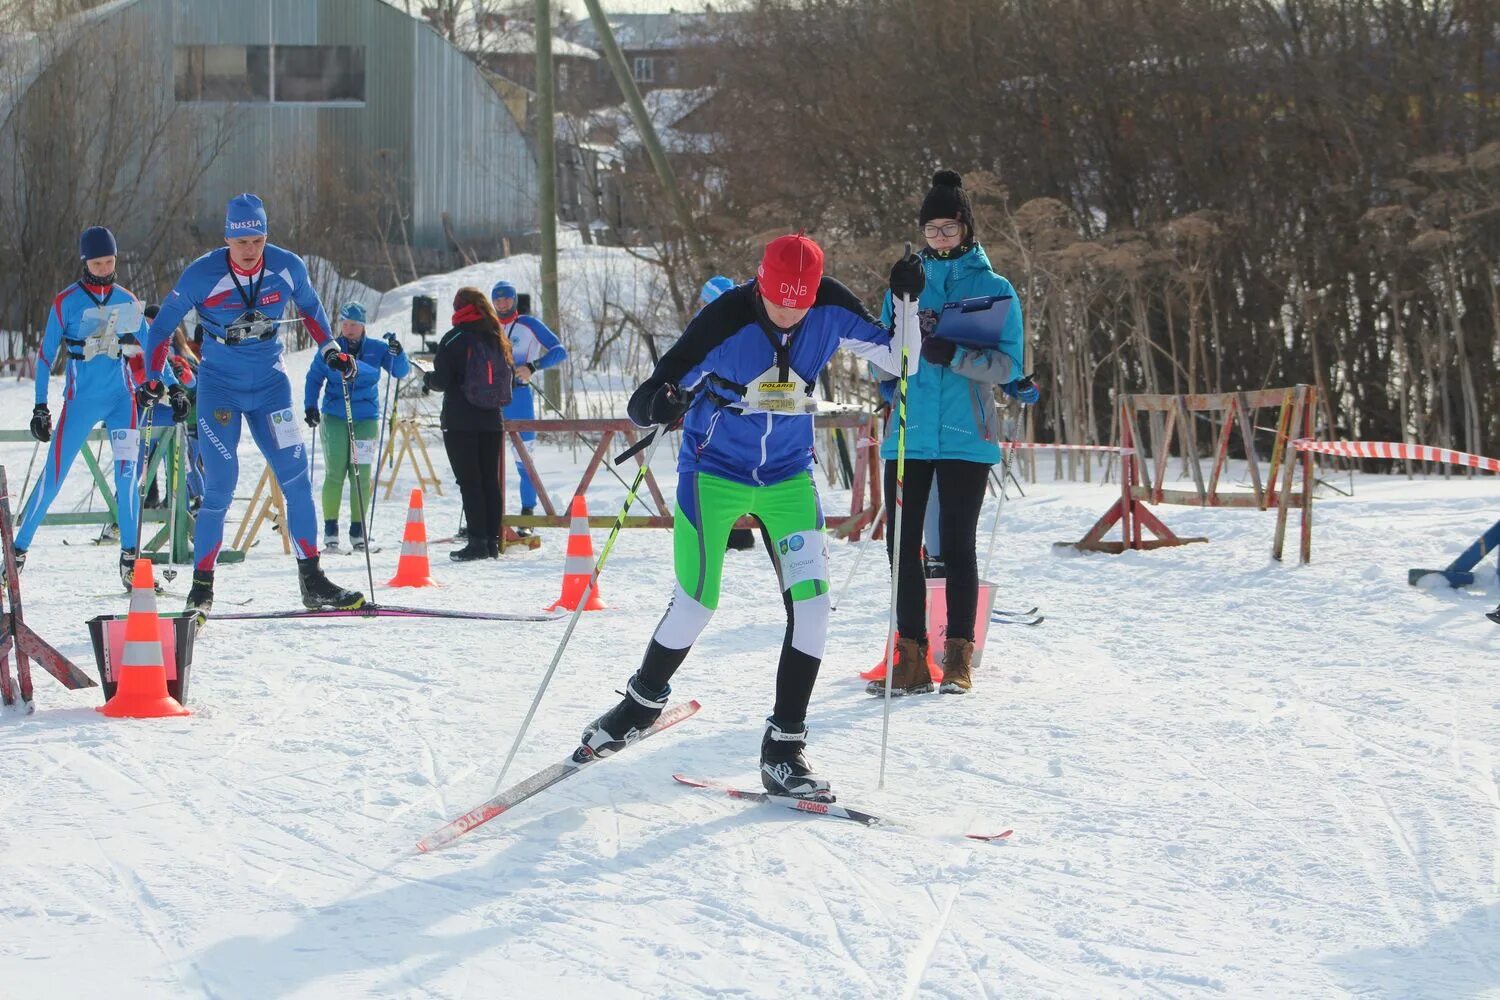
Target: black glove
41	423
311	416
178	397
149	393
907	277
658	403
927	320
342	363
396	347
939	351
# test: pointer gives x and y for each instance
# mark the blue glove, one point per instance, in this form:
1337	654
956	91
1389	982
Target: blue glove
1022	389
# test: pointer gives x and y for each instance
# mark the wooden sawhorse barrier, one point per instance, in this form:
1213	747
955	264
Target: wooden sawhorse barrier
1237	410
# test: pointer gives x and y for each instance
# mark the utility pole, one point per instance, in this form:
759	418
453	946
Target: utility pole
546	167
626	80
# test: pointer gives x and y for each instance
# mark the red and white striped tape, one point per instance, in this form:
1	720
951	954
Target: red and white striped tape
1113	449
1394	449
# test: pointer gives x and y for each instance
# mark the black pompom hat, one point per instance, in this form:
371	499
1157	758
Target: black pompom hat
947	200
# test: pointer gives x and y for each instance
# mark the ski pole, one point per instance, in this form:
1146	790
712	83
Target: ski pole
1005	461
906	320
583	601
30	466
140	476
585	441
858	556
174	496
359	495
386	416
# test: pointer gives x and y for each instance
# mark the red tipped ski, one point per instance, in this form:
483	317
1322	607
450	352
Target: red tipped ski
816	808
543	779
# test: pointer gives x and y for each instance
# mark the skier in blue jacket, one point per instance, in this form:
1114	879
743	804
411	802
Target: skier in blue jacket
741	378
99	325
241	293
535	347
952	439
371	358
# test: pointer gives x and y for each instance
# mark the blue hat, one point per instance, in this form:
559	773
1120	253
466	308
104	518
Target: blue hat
714	287
97	241
354	311
245	215
503	290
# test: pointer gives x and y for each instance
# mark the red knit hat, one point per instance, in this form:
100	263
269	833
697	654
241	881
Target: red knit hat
790	271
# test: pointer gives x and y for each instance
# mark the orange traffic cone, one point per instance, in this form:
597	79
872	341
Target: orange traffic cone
877	672
579	566
142	678
413	569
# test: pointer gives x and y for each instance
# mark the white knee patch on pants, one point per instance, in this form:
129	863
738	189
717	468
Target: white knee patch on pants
810	625
684	621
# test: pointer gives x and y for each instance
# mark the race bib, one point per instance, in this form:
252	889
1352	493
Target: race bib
365	451
284	428
769	393
102	327
804	557
125	444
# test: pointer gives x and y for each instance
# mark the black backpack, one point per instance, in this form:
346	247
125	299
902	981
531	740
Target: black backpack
488	374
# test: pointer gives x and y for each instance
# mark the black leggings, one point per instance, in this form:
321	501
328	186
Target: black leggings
475	457
961	486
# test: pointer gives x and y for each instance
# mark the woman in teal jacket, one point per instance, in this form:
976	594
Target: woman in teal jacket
952	438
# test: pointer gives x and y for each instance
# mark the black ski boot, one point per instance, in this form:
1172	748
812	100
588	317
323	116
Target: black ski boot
475	549
319	592
20	565
784	769
623	725
200	598
526	532
127	571
1493	616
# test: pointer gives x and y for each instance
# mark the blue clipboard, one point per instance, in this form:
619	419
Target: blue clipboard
975	322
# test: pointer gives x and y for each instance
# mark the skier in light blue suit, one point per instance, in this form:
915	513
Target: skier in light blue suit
535	347
99	325
241	293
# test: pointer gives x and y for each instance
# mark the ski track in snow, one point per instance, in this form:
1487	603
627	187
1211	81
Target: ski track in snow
1228	778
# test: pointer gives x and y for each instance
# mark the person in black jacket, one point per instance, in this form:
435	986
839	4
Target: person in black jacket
472	435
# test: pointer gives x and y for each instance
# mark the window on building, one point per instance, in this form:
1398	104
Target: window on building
320	74
643	69
292	74
223	73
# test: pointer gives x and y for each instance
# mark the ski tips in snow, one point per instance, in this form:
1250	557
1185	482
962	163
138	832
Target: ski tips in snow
999	617
541	780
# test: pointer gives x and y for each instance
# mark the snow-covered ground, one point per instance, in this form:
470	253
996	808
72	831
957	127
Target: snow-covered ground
1227	778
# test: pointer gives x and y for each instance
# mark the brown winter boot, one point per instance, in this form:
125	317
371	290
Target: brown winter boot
957	666
910	675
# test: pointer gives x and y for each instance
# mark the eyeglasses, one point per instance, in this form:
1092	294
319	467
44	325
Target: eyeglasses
932	231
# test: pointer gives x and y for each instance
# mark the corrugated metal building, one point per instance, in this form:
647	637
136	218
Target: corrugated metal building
322	93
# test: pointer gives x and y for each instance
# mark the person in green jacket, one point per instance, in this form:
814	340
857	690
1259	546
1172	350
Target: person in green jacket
952	438
372	358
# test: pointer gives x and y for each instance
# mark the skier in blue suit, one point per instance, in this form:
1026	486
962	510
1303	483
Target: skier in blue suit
241	293
100	325
535	347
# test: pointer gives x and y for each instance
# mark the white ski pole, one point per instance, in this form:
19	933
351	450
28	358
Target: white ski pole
659	433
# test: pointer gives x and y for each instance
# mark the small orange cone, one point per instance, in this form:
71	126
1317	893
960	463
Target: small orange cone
877	672
142	678
413	569
579	567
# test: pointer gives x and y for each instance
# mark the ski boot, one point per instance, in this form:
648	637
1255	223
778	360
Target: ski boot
1493	616
200	598
784	769
623	725
127	572
20	564
331	536
319	592
357	540
910	675
476	548
958	676
526	532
